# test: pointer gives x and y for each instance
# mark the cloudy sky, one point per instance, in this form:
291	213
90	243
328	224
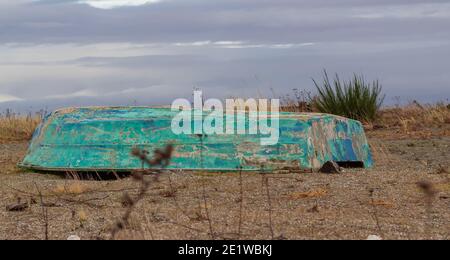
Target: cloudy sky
57	53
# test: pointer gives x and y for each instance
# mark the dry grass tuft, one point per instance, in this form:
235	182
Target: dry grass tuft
14	127
299	101
416	121
381	154
309	194
382	203
82	216
415	116
75	188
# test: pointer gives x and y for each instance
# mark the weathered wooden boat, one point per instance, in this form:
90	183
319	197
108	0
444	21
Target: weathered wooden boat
101	139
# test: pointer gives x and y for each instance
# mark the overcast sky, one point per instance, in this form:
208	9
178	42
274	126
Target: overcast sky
57	53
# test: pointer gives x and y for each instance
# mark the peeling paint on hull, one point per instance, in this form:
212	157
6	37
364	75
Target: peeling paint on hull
101	139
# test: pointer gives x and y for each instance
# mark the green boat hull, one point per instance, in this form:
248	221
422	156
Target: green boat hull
101	139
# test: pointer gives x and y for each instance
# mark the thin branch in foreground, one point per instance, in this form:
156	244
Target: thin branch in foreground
375	211
241	202
161	159
205	201
44	212
173	191
430	193
269	203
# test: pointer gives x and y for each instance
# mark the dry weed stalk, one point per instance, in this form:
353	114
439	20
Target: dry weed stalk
241	202
44	212
375	211
172	194
301	101
208	218
269	203
148	226
430	193
381	154
161	159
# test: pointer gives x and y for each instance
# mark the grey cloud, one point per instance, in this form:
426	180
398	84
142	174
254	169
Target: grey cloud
194	20
53	48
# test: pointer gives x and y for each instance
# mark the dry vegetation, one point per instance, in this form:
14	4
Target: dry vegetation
415	121
298	101
406	196
15	127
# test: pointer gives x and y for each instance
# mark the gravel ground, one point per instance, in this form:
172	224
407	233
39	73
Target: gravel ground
382	201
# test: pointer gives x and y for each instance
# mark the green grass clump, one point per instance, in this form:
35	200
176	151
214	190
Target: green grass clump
356	99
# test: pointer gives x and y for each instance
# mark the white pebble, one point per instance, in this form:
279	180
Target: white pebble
74	238
374	238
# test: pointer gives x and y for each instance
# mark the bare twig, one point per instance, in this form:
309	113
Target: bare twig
131	204
241	202
269	203
44	212
149	226
161	159
205	201
375	211
86	202
187	227
174	198
430	193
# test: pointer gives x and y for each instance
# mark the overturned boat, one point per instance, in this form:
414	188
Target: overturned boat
100	139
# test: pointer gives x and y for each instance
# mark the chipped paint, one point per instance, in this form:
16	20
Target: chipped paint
100	139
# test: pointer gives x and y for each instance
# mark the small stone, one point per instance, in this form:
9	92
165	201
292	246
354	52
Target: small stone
330	167
73	238
378	126
17	207
281	237
443	170
314	209
374	238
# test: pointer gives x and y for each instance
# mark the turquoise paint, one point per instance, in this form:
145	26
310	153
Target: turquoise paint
101	139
